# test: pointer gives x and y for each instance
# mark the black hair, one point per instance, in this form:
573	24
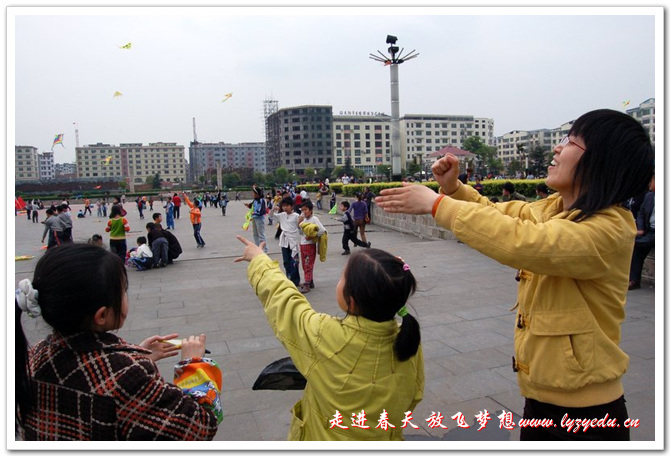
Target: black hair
94	238
618	162
151	226
345	203
287	200
141	240
156	215
380	286
116	210
542	188
50	211
102	282
508	186
359	195
308	204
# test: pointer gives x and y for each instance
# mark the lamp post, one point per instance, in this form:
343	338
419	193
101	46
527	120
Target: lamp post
396	58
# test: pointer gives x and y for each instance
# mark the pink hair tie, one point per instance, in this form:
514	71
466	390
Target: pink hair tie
405	267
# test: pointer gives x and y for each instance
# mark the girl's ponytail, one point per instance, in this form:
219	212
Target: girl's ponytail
408	339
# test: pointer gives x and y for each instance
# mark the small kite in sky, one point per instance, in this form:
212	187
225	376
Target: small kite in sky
625	103
58	140
126	46
98	187
117	94
387	63
227	96
106	161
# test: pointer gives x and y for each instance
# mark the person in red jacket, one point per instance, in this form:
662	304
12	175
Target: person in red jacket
177	205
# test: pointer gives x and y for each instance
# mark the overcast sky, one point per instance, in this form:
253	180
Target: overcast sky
524	71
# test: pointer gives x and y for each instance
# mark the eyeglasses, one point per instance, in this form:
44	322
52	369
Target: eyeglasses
566	140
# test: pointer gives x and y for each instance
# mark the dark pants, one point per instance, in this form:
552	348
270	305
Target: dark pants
176	212
643	245
119	248
67	236
159	248
540	410
54	238
141	209
350	235
196	234
291	265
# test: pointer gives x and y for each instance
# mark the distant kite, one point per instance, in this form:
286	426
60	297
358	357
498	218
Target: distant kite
117	94
227	96
625	103
106	161
126	46
387	63
58	140
98	187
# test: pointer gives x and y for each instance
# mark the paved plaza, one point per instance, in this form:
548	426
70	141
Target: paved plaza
463	305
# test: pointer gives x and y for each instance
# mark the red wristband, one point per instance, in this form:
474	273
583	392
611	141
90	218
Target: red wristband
435	204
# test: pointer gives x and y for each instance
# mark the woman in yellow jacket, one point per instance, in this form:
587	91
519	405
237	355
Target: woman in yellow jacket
364	372
572	251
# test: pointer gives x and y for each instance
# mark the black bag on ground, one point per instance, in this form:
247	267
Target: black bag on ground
280	375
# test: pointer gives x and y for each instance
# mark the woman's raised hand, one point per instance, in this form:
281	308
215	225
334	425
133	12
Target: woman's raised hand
445	171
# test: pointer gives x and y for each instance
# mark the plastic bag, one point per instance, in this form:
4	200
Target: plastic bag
280	375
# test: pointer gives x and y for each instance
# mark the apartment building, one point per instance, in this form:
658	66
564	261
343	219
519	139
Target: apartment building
645	113
204	157
65	170
47	168
26	164
132	161
422	134
363	138
300	137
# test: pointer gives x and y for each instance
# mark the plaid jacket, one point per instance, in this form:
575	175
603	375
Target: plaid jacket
96	386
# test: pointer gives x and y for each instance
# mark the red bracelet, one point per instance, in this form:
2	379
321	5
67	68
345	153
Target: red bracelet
435	204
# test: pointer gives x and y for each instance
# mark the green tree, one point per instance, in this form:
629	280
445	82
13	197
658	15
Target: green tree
347	166
259	178
513	167
384	170
270	180
123	185
325	173
413	167
156	181
337	172
310	173
281	175
232	179
539	160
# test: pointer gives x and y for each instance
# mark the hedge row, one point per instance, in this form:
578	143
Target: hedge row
491	187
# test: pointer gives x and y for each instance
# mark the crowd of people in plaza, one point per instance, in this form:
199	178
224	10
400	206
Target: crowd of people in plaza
577	250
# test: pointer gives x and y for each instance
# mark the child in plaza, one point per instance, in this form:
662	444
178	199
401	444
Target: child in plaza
83	382
117	228
196	220
142	257
169	213
308	244
349	233
362	364
289	238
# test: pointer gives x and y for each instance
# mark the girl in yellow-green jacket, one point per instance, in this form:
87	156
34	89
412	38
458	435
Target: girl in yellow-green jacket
364	372
572	251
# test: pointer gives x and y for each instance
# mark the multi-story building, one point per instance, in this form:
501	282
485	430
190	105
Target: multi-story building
516	144
65	170
365	139
132	161
47	169
645	113
26	164
300	137
422	134
205	157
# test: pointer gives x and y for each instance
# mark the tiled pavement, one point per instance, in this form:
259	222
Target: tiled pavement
462	305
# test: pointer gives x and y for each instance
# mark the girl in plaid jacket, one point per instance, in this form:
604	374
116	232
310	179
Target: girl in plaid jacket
85	383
